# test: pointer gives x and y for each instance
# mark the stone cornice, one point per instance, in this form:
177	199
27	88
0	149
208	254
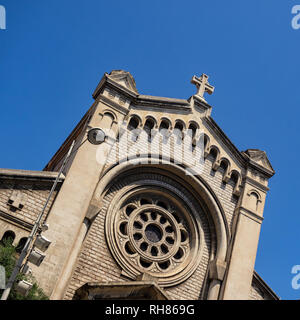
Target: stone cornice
147	288
250	215
256	184
162	102
262	285
29	175
16	221
141	100
106	80
113	82
200	103
252	164
113	104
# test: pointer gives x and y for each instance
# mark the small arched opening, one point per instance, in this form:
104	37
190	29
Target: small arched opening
21	245
8	238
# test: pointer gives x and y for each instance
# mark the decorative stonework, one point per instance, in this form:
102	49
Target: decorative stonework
153	235
149	229
123	78
259	157
17	200
147	222
202	86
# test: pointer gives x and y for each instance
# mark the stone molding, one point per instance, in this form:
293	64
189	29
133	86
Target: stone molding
29	175
163	189
121	290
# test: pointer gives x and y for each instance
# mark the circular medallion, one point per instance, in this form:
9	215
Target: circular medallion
152	230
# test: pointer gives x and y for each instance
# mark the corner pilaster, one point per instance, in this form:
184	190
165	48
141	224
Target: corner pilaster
67	219
246	226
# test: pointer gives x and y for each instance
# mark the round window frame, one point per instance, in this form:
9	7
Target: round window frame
182	199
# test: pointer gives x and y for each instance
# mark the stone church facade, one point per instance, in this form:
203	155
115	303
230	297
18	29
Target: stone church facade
157	220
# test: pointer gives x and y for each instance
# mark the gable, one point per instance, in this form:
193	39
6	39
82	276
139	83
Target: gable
260	290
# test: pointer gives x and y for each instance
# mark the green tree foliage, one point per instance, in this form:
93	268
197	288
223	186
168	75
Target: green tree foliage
8	257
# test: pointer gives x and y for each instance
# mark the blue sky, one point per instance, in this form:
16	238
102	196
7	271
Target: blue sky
53	54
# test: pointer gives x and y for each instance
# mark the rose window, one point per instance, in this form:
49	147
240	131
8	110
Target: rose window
154	231
151	230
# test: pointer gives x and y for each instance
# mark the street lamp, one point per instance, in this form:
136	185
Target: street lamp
95	137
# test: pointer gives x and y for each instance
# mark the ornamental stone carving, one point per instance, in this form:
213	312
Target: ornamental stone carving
153	227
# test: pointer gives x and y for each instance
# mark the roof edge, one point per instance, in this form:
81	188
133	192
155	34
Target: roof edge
29	174
264	285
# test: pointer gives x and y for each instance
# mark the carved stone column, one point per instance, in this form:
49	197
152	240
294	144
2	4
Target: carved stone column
216	275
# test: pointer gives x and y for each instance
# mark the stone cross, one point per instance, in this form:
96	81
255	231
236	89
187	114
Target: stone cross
202	86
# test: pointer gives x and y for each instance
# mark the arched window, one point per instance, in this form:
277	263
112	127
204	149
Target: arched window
107	120
133	126
178	129
179	125
253	201
133	123
8	237
109	115
193	129
21	245
235	177
224	165
206	141
214	152
164	125
149	125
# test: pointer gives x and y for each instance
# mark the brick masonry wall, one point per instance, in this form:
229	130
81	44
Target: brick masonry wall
259	292
224	191
34	195
256	293
96	264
